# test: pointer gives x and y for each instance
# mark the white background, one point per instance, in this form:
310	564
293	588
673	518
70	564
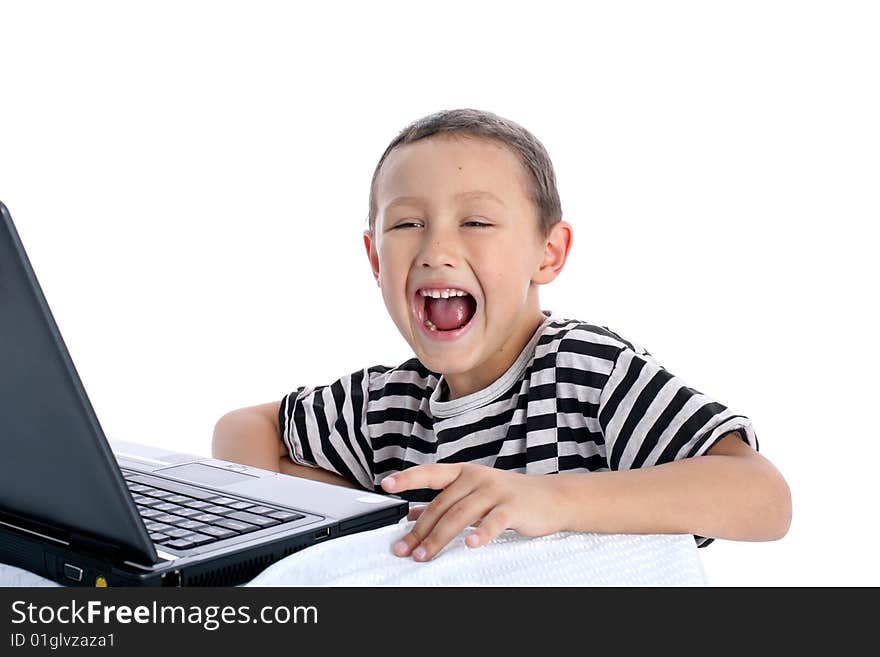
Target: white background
191	182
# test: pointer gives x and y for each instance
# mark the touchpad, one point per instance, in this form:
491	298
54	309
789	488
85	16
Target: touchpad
204	474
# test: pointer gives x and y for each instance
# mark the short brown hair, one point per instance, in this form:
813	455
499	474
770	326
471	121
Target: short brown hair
477	123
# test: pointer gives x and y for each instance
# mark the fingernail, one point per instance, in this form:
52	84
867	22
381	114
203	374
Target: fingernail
388	481
419	553
399	548
472	540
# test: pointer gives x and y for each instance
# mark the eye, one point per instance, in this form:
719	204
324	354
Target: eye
473	222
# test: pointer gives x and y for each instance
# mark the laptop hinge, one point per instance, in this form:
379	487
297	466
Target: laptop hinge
32	532
94	545
66	538
101	549
34	528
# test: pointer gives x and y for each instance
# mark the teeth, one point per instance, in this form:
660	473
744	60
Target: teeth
445	294
440	294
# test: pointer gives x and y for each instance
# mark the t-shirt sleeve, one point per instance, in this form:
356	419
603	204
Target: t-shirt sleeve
326	427
649	416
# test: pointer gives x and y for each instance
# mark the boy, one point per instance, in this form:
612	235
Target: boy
508	416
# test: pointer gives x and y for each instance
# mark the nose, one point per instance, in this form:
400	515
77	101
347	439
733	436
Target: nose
439	248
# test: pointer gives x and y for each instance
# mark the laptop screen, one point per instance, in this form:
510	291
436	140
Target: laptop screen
56	467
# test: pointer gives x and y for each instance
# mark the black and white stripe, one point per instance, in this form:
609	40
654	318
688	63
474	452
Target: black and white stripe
580	398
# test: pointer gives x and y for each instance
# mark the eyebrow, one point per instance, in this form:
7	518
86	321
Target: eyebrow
474	193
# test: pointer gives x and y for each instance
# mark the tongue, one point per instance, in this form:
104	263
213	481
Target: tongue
451	313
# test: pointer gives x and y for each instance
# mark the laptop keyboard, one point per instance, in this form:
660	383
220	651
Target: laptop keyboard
182	517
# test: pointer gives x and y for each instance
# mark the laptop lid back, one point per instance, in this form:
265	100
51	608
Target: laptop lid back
56	467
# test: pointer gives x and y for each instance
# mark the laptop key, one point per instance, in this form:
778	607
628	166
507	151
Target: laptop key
261	509
150	513
221	510
148	501
197	504
199	539
157	526
186	512
218	532
165	517
222	500
168	486
207	517
180	544
178	533
179	499
261	521
169	507
241	505
285	516
242	527
159	494
192	525
158	536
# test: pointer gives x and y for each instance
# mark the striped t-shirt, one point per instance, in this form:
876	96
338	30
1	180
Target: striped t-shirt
579	398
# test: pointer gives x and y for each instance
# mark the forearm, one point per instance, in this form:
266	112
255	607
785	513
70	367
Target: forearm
730	497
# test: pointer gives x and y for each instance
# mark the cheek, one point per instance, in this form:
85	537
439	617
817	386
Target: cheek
505	280
388	266
503	270
392	279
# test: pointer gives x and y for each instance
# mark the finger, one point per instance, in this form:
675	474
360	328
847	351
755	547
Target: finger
432	475
428	517
414	514
495	522
416	511
451	524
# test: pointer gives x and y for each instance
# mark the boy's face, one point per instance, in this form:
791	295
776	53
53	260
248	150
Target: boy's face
442	237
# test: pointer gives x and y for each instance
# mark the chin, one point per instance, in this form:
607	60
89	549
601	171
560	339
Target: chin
447	364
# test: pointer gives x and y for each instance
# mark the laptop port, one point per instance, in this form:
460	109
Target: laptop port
322	534
171	578
73	572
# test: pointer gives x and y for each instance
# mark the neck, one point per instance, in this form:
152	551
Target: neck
466	383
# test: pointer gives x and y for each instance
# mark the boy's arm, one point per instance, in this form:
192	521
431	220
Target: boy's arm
252	436
730	492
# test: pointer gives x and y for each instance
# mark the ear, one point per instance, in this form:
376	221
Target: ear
556	248
372	255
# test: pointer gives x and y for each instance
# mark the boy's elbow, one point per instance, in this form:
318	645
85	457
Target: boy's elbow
782	508
230	431
769	516
221	439
249	436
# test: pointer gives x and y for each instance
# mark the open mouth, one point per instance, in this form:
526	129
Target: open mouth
444	310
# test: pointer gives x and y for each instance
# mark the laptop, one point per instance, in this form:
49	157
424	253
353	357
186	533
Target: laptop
83	511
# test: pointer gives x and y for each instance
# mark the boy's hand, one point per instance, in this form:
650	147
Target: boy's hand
474	495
